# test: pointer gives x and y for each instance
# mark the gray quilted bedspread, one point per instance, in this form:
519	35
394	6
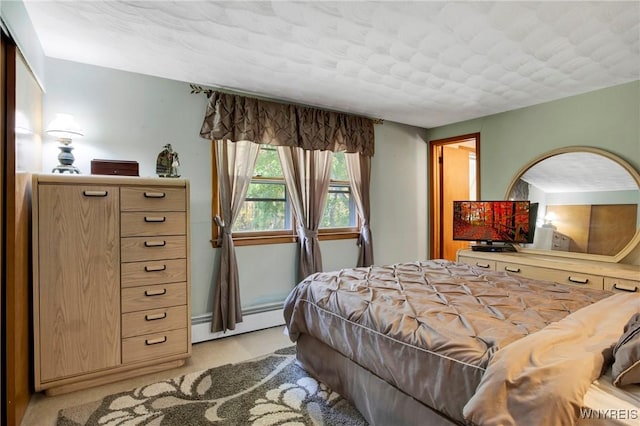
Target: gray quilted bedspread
427	327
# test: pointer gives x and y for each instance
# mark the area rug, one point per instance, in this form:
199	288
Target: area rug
272	390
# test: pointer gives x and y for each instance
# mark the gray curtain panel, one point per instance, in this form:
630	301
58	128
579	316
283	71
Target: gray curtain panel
359	170
306	138
307	175
235	164
236	118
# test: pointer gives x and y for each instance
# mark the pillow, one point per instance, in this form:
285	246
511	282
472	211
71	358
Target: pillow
626	353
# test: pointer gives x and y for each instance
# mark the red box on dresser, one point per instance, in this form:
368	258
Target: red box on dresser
115	167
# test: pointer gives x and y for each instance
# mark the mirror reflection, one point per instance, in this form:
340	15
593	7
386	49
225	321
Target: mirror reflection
587	203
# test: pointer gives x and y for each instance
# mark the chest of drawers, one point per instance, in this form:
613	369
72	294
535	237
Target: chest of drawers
598	275
111	278
550	239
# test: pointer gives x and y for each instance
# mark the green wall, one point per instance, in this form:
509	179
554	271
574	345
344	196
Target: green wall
607	118
131	116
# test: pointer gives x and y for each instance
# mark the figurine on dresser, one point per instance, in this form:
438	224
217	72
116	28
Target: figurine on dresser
168	162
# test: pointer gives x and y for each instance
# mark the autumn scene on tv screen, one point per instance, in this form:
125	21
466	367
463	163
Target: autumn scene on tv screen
502	221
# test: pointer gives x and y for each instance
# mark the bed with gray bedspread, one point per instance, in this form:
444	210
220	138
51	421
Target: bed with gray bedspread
427	329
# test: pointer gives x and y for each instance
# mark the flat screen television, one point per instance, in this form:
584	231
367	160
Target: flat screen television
491	222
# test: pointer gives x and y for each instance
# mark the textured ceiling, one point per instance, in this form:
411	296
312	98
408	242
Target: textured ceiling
420	63
579	172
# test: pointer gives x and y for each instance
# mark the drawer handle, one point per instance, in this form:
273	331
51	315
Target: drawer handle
635	289
155	292
95	193
511	269
155	268
155	243
159	340
154	317
578	280
154	195
155	219
482	265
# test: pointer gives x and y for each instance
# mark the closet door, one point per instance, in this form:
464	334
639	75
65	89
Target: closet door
79	280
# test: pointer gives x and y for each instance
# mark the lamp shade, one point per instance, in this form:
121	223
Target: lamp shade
64	126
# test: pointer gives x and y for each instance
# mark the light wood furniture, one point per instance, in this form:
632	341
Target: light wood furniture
598	230
111	278
550	239
600	275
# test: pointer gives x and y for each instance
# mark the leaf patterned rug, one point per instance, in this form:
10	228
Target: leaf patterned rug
272	390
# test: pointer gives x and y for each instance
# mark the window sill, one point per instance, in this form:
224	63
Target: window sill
323	235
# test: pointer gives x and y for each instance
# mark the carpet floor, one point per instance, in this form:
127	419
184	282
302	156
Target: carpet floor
271	390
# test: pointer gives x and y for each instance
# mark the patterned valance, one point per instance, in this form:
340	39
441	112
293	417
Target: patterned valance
237	118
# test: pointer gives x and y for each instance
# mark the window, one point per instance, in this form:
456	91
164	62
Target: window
339	209
266	215
266	206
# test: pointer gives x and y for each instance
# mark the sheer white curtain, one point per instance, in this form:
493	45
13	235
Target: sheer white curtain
307	175
235	162
292	128
359	170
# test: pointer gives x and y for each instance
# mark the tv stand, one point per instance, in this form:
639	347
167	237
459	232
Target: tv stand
493	247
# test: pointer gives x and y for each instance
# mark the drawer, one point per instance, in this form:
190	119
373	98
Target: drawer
480	263
153	297
157	345
555	275
154	321
140	224
136	249
153	272
152	199
620	285
560	242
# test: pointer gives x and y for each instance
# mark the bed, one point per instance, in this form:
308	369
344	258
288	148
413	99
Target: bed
418	343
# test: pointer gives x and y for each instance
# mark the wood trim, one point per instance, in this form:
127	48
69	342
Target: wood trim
126	372
268	237
3	144
631	245
9	191
457	139
257	239
435	180
254	241
435	246
347	235
16	249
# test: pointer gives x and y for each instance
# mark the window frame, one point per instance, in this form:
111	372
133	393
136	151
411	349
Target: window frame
247	238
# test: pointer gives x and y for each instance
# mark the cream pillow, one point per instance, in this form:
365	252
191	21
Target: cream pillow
626	353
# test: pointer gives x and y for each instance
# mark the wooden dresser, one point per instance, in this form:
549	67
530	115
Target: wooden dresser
111	278
600	275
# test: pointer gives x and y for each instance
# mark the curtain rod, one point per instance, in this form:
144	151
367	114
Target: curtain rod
197	89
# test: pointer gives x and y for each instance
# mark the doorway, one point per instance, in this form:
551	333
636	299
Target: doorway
455	175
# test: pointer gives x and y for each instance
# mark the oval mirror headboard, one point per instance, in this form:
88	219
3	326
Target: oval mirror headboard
588	203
